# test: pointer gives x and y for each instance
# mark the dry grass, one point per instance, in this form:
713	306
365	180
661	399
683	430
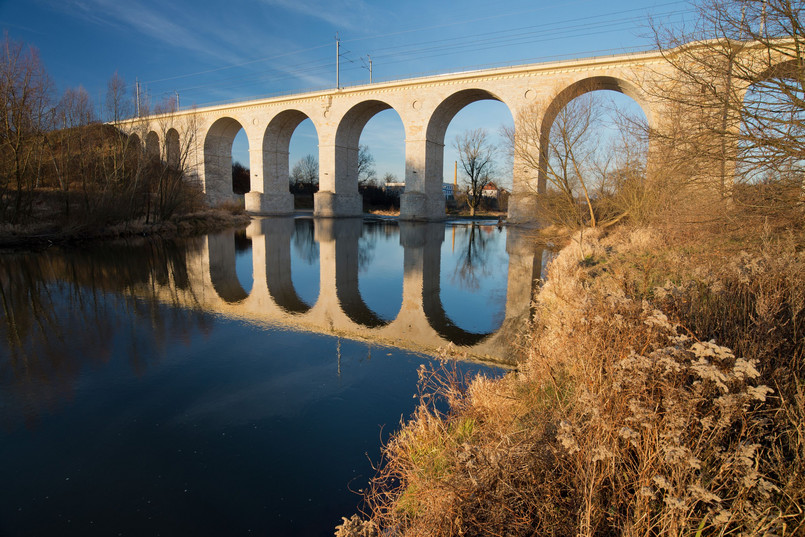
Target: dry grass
662	394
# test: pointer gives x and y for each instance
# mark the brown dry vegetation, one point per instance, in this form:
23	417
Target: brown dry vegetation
661	389
662	393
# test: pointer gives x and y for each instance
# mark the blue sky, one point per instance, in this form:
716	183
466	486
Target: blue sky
210	51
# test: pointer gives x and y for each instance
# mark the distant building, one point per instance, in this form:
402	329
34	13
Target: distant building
447	190
398	188
490	190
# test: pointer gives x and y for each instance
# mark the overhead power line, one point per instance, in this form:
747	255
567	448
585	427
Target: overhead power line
392	54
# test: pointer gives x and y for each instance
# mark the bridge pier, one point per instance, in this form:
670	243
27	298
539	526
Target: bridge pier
269	195
523	208
338	181
333	204
423	198
422	206
275	204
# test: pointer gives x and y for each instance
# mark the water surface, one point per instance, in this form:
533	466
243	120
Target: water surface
234	384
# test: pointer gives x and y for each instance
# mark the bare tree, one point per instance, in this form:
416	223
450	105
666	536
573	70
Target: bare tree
366	166
305	172
472	263
738	86
476	154
241	178
118	107
25	98
70	145
571	150
586	173
169	181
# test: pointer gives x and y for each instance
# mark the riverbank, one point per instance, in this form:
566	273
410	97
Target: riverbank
43	234
660	392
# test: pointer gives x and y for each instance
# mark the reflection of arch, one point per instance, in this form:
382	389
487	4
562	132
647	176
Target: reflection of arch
433	307
276	147
172	147
422	243
568	94
347	141
152	146
345	233
224	277
277	232
218	157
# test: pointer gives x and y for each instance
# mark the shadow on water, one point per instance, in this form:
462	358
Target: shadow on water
52	302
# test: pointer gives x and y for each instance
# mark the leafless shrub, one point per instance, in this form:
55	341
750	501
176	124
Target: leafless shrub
621	421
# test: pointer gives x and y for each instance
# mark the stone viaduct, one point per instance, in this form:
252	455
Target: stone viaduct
203	137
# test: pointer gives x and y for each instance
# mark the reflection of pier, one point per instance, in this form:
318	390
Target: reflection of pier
421	324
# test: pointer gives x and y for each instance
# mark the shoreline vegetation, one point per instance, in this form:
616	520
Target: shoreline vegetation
661	380
661	391
198	222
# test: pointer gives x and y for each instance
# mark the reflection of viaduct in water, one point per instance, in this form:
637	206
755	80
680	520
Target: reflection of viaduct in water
421	323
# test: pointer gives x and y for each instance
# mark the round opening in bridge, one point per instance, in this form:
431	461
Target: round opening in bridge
303	161
173	151
381	163
221	151
767	149
152	152
474	161
590	168
241	171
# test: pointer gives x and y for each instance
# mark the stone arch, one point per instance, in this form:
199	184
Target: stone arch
437	128
218	159
152	146
347	140
569	93
172	150
788	69
338	185
766	129
134	147
276	147
452	105
134	141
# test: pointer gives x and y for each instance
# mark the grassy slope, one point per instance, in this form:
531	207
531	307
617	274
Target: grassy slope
662	392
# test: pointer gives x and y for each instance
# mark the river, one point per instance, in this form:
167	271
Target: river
240	383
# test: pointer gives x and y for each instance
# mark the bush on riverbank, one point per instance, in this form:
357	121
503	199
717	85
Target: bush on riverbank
203	220
661	393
